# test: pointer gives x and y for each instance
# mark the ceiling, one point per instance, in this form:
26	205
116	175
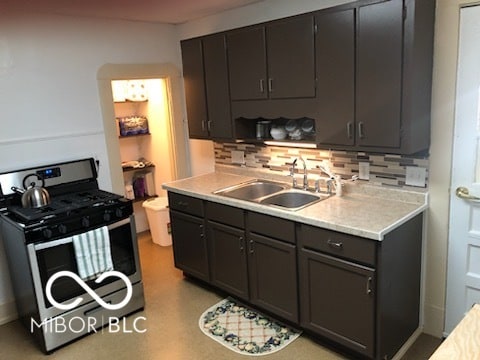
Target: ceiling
158	11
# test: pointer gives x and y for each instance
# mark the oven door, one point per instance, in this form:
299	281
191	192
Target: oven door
48	258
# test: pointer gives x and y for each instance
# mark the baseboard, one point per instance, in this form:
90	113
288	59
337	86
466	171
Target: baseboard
411	340
434	318
8	312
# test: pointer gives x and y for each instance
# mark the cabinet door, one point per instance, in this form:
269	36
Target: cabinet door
247	63
291	58
273	276
228	261
194	81
335	59
219	120
189	244
379	74
337	300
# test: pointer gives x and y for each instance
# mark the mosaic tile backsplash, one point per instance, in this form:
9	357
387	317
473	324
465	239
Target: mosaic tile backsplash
384	169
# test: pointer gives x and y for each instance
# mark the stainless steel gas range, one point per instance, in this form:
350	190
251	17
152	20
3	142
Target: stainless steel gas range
74	262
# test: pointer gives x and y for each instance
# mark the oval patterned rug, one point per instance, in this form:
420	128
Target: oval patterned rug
244	330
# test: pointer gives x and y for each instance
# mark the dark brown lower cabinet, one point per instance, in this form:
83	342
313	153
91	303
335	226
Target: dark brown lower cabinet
337	300
189	244
359	293
259	267
228	260
272	264
273	276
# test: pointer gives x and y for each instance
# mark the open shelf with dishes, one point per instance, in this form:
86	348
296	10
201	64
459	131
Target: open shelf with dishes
258	130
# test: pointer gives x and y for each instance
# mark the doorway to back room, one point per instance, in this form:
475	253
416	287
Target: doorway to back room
142	117
166	147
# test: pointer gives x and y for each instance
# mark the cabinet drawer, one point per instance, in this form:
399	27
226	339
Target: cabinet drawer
338	244
225	214
272	227
186	204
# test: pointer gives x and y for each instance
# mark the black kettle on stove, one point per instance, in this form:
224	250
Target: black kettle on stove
33	196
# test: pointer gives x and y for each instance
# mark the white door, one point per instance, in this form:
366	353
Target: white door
463	273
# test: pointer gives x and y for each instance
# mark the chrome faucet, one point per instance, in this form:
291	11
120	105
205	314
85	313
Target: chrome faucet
292	173
305	177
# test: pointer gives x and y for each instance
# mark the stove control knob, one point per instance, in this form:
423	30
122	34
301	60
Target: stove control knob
107	216
62	229
47	233
119	212
85	222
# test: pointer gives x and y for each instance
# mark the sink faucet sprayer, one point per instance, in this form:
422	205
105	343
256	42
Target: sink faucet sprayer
335	181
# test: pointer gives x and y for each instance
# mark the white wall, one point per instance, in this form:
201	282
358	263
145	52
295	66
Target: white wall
49	97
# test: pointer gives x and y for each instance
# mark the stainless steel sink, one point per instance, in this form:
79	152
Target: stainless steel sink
252	190
272	193
293	200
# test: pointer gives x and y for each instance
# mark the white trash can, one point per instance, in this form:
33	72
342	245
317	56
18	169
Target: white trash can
158	220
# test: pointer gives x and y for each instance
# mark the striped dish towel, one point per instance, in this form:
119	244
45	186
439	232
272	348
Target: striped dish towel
92	252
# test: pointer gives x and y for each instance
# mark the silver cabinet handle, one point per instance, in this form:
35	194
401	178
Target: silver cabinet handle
262	85
251	246
350	130
202	233
183	204
369	285
203	125
361	133
463	193
270	85
209	125
240	242
336	245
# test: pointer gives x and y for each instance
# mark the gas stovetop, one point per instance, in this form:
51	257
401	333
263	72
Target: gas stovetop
76	202
65	205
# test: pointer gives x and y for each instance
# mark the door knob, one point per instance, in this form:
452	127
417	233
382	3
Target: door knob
463	193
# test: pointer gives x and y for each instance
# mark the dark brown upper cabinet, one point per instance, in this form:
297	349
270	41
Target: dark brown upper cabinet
194	82
359	68
362	70
335	62
379	74
374	66
206	87
273	61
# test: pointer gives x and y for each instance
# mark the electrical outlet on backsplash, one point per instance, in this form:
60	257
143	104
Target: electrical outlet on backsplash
384	169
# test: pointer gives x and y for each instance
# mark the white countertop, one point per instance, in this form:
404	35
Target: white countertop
362	210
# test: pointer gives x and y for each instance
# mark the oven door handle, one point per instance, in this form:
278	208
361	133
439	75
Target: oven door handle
50	244
119	223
